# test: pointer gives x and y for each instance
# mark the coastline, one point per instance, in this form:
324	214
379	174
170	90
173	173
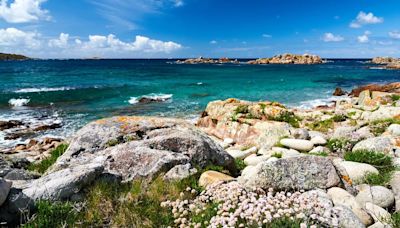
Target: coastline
234	151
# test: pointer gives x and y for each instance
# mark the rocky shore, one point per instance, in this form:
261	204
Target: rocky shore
388	62
243	164
202	60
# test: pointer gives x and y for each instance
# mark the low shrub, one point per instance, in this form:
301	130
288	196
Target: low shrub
340	145
379	126
322	126
43	165
288	117
339	118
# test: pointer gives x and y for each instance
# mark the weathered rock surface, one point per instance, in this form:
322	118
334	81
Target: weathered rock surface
347	218
355	170
210	177
180	172
390	88
306	172
395	184
245	122
377	195
5	187
146	146
377	213
342	197
381	144
61	185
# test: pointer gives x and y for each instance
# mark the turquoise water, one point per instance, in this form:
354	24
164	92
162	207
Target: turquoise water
74	92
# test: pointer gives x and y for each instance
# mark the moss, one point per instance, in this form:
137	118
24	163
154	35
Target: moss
322	154
240	165
288	117
43	165
242	109
277	155
395	97
322	126
351	114
112	142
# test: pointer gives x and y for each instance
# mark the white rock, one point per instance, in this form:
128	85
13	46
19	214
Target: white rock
377	195
356	170
239	154
229	141
342	197
380	225
319	149
395	184
5	187
291	153
254	159
298	144
394	129
378	214
318	140
314	134
379	144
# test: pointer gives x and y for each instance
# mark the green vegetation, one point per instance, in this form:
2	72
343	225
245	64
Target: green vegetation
43	165
277	155
351	114
340	145
380	161
322	126
240	164
206	215
322	154
339	118
242	109
395	97
4	56
112	142
395	219
288	117
379	126
48	214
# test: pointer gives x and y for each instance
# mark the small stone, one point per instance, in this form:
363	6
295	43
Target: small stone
211	176
378	214
254	159
298	144
318	140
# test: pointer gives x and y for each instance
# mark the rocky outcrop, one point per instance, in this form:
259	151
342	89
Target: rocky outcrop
5	56
389	62
389	88
5	187
306	172
247	123
289	59
133	147
339	92
202	60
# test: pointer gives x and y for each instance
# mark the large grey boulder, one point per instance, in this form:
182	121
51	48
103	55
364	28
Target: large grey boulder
381	144
61	185
5	187
133	147
306	172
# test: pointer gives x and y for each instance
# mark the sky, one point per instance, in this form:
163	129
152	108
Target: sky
193	28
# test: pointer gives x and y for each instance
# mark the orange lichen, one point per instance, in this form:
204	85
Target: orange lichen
347	179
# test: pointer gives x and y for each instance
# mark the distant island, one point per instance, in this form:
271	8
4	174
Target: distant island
277	59
5	56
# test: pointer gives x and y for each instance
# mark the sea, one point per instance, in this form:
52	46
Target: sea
75	92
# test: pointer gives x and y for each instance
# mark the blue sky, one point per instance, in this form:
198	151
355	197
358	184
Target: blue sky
192	28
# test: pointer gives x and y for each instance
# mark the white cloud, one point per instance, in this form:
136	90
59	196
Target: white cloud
213	42
33	44
266	35
22	11
330	37
61	42
364	38
365	19
14	38
394	34
178	3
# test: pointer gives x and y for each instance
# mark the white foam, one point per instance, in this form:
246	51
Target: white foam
151	96
320	102
43	89
199	83
18	102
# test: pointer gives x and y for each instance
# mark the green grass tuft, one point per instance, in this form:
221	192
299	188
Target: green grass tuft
322	154
240	164
322	126
43	165
277	155
288	117
339	118
379	126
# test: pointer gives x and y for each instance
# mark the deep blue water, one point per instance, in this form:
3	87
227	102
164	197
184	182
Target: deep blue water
77	91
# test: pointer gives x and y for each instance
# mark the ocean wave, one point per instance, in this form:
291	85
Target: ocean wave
309	104
18	102
158	97
43	89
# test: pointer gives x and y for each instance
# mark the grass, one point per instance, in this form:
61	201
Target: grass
380	161
322	154
339	118
379	126
206	215
288	117
240	164
395	219
242	109
395	97
43	165
322	126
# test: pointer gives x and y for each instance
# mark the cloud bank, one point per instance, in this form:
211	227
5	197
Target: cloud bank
23	11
